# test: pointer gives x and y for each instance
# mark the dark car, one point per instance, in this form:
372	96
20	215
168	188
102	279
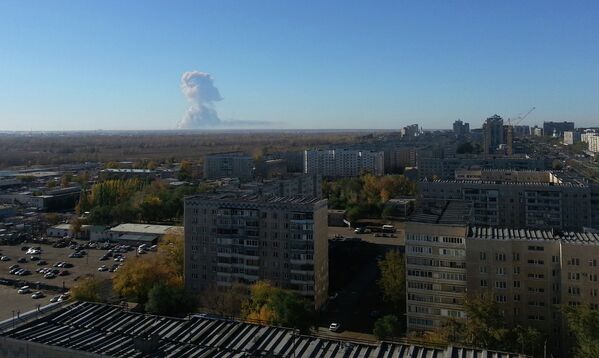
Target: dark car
42	263
34	258
22	260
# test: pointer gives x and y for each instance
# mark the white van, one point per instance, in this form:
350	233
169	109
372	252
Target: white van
388	228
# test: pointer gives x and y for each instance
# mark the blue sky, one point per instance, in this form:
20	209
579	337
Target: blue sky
71	65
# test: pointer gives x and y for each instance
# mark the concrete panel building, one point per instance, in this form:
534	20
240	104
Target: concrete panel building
335	163
228	165
557	129
529	273
233	238
517	199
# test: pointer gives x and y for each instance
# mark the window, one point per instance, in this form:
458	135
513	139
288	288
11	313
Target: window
483	256
555	259
500	284
536	248
483	283
483	269
516	256
501	299
574	261
500	256
516	270
500	271
593	262
517	297
516	284
536	262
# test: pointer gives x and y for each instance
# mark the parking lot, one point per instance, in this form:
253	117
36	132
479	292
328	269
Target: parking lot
81	267
373	238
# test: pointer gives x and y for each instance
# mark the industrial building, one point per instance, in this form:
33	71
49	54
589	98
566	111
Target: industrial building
97	330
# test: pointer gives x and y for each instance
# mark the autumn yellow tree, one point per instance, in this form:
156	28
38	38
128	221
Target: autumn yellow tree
135	279
171	251
88	289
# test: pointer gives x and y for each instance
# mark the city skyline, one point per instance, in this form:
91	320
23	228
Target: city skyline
114	66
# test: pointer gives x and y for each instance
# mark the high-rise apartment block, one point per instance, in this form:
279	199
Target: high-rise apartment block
343	162
519	199
228	165
461	129
592	140
557	129
571	137
493	133
233	238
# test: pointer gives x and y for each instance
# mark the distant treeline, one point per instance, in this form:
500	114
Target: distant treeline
19	150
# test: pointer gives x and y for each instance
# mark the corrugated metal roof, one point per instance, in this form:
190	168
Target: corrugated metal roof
113	331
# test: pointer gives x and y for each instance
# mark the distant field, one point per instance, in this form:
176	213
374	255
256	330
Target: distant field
57	148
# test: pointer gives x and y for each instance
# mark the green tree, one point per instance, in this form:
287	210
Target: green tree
386	327
393	280
485	326
276	306
583	323
169	301
185	171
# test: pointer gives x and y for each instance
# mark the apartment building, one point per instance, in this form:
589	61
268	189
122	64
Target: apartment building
592	139
397	158
435	259
557	129
233	238
343	162
571	137
228	165
528	273
445	168
519	199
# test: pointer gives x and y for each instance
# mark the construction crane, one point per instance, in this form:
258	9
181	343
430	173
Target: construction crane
511	123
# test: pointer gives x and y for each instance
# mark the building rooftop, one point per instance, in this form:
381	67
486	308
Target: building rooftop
143	228
446	212
493	233
255	198
112	331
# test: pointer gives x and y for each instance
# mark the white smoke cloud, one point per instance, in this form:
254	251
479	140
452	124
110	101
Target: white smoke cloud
199	89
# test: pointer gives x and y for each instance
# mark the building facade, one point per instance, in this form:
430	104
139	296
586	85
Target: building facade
571	137
516	199
242	239
493	134
228	165
529	273
557	129
335	163
461	129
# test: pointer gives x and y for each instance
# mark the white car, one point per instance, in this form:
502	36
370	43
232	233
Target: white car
4	258
23	290
102	268
335	327
37	295
33	251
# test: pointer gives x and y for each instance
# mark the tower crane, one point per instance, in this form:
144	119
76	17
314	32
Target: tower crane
510	129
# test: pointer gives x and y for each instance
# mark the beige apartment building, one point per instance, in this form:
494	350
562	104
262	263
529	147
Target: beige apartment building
235	238
528	273
520	199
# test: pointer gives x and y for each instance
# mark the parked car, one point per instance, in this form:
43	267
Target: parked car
22	260
54	299
23	290
49	275
42	263
335	327
37	295
4	258
34	258
13	267
64	273
102	268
